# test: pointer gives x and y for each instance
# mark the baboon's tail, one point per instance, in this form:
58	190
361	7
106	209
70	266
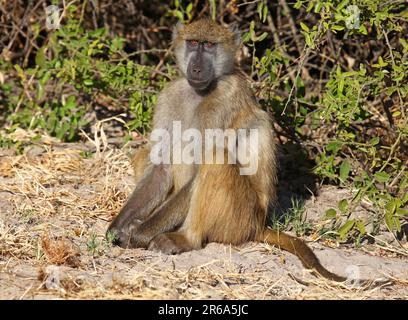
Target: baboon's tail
299	248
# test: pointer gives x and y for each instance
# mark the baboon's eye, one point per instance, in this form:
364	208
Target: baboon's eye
209	44
193	43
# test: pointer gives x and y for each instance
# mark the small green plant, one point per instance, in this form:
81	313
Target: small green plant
299	221
6	142
342	227
182	10
293	219
110	237
92	244
86	154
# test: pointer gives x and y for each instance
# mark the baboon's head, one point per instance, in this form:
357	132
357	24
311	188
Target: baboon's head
204	51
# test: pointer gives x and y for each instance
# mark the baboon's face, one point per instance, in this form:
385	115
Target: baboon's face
204	51
200	57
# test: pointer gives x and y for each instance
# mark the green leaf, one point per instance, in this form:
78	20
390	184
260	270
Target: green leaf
363	29
88	82
40	91
389	221
117	44
298	4
70	103
189	7
343	205
331	213
40	57
334	146
252	30
374	141
310	6
404	44
304	27
259	10
361	227
401	212
20	72
345	228
179	15
340	85
344	170
342	4
397	224
308	40
318	7
405	197
391	206
337	27
382	176
262	36
265	13
381	62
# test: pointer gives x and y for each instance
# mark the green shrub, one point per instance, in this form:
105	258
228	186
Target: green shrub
344	115
74	70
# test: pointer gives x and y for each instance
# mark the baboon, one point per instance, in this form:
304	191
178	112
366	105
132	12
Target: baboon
178	207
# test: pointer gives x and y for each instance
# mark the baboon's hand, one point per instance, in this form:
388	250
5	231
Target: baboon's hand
122	236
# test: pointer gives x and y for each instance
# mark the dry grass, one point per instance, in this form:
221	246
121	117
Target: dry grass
55	205
60	251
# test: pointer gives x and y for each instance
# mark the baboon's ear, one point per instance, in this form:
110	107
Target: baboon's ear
176	30
237	35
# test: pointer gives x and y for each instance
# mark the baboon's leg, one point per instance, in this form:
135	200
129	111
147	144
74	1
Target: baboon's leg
223	208
171	243
167	217
151	191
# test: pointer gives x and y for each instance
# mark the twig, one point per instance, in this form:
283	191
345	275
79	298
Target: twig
274	32
292	24
304	55
393	63
247	3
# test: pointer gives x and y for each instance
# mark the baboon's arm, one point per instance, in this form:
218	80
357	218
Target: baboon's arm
150	192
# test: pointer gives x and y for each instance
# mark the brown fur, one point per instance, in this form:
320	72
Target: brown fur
206	30
177	208
139	161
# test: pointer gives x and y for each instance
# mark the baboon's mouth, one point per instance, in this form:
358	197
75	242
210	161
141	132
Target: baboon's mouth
199	84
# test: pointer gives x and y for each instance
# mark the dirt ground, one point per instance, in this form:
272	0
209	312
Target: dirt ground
56	201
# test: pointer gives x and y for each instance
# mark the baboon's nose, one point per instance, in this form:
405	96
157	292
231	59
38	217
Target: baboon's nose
196	71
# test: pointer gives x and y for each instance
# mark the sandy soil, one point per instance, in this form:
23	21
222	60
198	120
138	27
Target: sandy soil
55	205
